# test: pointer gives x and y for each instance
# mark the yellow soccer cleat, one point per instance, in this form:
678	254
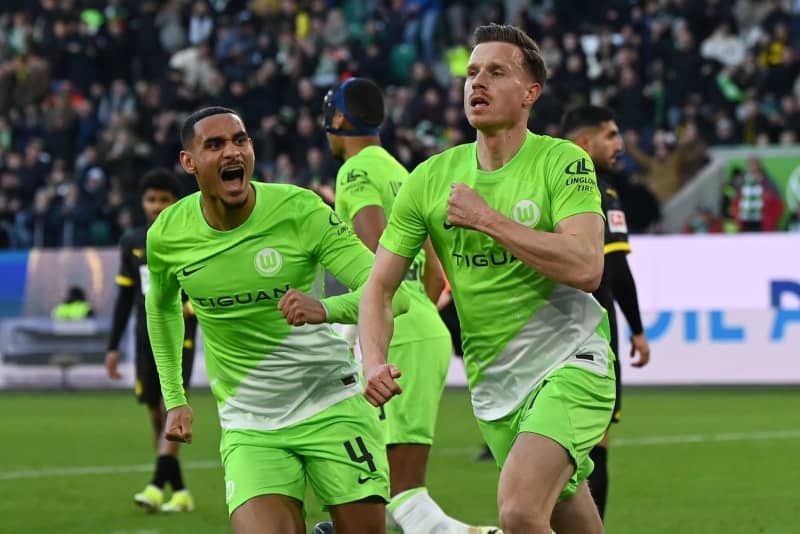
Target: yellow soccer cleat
181	501
150	498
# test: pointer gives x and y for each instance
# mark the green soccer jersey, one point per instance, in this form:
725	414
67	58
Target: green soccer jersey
517	325
264	373
372	178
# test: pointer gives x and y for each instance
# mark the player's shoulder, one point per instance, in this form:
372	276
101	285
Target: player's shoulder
556	150
176	221
371	163
290	198
459	155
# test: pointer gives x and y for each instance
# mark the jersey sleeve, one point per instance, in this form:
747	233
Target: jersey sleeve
572	182
355	190
342	253
406	231
128	272
165	319
616	239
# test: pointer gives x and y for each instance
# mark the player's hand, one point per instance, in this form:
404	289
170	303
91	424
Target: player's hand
381	384
465	207
179	424
112	360
299	308
639	344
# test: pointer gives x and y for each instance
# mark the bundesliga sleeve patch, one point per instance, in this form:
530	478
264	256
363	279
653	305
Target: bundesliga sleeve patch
616	222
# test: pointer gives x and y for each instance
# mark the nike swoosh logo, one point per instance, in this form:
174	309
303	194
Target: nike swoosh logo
447	225
364	480
187	272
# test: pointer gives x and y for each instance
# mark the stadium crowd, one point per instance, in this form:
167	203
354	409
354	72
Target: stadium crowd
92	92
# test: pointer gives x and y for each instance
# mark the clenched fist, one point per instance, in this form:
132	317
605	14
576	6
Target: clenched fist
299	309
179	424
381	384
466	208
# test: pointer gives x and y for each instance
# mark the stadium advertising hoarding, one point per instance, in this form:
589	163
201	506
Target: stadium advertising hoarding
718	309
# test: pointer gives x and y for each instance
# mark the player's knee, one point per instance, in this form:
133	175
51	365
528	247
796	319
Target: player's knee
515	518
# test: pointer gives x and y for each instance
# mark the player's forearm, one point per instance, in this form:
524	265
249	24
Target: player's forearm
344	308
573	260
375	323
165	328
122	312
624	289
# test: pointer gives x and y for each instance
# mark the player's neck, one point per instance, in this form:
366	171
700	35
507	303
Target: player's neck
222	217
354	145
495	149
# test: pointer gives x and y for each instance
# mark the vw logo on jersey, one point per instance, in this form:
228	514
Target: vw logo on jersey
526	212
268	261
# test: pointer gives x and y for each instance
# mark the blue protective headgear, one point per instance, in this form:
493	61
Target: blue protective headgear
334	101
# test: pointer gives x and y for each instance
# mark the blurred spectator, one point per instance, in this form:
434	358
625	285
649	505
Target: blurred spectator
74	307
758	206
102	88
672	161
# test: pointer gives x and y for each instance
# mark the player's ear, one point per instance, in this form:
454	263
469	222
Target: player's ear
532	93
187	162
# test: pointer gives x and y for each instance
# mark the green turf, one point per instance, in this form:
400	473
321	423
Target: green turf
744	481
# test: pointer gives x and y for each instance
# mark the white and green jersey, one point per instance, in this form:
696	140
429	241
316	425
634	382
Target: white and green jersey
264	373
373	178
517	325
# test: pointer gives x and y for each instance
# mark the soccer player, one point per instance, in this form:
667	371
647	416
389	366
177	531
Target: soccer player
159	189
366	186
515	219
287	387
594	129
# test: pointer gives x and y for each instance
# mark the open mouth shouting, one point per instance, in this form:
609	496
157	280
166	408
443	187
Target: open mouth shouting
233	179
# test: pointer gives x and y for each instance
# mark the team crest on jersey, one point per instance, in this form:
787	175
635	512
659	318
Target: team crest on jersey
527	213
268	261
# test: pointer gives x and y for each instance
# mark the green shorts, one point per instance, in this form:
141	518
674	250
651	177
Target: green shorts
411	416
341	451
572	406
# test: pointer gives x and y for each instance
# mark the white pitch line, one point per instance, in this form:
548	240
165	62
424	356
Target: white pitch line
94	470
705	438
450	451
648	441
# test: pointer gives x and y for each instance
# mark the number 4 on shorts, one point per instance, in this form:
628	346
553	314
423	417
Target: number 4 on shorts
366	456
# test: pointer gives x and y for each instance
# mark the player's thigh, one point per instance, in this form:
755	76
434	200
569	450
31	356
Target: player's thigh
532	479
572	408
362	517
411	417
345	453
269	514
260	463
